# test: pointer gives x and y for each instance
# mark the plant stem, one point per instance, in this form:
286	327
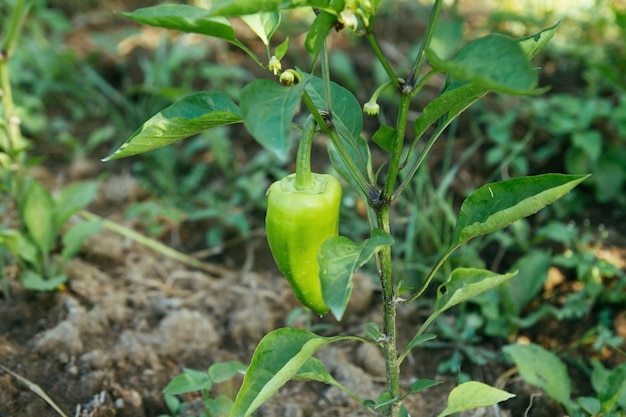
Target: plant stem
386	268
390	351
304	179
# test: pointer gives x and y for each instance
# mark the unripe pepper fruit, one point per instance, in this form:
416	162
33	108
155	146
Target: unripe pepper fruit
302	212
298	221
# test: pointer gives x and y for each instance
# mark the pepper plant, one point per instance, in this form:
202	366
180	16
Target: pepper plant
302	208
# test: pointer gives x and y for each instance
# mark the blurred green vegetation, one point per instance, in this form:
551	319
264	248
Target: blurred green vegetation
83	85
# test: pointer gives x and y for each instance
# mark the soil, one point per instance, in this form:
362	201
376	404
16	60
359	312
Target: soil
130	319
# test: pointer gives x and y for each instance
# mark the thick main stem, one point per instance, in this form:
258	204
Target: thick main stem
390	351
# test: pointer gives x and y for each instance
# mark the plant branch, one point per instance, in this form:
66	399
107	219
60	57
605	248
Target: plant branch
383	60
421	55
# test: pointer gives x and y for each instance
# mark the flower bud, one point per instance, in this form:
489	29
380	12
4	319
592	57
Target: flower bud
371	108
287	78
275	65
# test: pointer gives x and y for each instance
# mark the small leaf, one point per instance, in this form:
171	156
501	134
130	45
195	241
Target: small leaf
590	405
72	198
277	359
385	137
314	370
417	340
31	280
495	62
190	115
281	49
223	371
20	246
543	369
263	24
189	19
422	384
189	380
268	109
496	205
471	395
74	237
245	7
533	44
464	284
38	214
339	258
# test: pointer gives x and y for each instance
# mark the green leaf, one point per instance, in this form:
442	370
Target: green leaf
72	198
20	246
453	100
277	358
495	62
385	137
347	114
223	371
472	394
263	24
496	205
189	380
189	19
347	118
422	384
74	237
190	115
533	271
31	280
244	7
417	340
339	258
38	215
267	109
543	369
464	284
533	44
610	385
281	49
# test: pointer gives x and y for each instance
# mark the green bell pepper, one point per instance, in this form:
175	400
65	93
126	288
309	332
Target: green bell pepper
297	223
302	212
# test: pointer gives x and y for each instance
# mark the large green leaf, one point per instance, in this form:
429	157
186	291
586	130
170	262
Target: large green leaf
190	115
496	205
268	108
339	258
277	358
464	284
471	395
347	117
543	369
38	216
244	7
458	96
495	62
185	18
263	24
